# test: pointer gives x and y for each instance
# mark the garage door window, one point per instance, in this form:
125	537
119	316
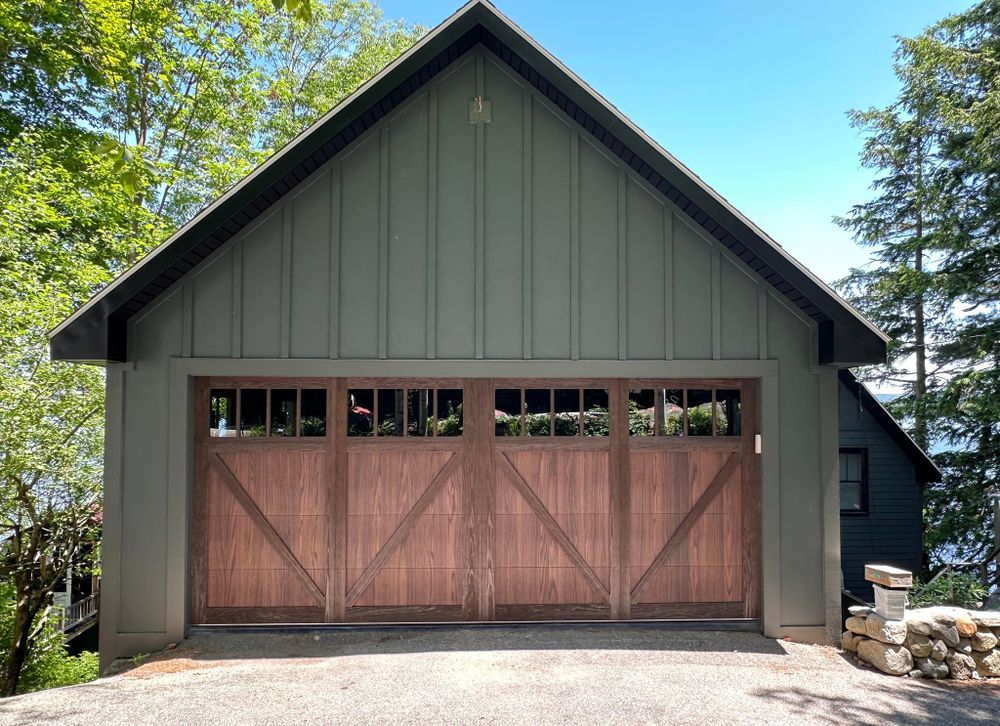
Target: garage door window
684	412
404	412
267	412
551	412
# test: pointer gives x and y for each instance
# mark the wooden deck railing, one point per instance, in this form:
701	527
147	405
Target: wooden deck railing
78	613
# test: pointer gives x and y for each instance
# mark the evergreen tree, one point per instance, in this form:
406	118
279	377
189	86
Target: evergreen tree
935	282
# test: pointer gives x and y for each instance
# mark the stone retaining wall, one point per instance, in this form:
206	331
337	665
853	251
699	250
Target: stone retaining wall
936	642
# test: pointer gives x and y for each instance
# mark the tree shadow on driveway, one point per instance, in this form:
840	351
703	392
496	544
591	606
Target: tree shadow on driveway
250	643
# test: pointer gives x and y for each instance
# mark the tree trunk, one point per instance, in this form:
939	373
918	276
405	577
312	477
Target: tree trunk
24	615
920	432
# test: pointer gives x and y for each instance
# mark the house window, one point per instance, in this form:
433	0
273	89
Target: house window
854	481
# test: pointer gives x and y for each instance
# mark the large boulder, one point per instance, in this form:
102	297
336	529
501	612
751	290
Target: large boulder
960	666
940	650
919	645
892	632
849	641
984	639
856	625
892	659
987	664
931	668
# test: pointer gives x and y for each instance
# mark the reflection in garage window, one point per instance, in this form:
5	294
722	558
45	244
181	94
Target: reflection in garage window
537	412
390	412
222	412
253	412
641	407
313	421
283	412
670	405
595	412
360	412
409	412
566	420
684	412
699	412
727	412
419	412
449	411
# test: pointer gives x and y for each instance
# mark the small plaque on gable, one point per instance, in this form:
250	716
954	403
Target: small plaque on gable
480	110
887	576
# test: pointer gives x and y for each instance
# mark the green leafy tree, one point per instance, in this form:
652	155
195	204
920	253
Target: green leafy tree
119	121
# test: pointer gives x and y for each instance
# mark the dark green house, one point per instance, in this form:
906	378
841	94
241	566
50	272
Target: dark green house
882	475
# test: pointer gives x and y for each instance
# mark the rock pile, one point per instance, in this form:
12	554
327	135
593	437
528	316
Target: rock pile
935	642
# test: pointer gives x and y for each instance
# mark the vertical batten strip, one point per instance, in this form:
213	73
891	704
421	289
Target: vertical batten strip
383	243
762	323
432	159
187	320
526	237
480	218
622	266
237	300
716	304
574	246
285	324
335	176
668	284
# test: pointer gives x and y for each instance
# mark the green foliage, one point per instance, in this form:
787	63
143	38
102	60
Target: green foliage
48	665
451	425
119	121
961	589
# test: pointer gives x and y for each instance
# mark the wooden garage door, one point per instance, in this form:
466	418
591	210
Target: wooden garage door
379	500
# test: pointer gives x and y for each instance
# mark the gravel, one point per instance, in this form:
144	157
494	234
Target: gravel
538	675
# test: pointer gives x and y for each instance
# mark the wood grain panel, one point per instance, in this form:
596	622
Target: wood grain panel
405	614
263	615
386	483
259	588
402	587
544	585
681	583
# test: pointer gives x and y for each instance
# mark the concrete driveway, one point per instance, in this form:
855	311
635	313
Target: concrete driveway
538	675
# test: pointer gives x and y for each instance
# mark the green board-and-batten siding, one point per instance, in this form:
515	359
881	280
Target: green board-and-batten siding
437	238
890	533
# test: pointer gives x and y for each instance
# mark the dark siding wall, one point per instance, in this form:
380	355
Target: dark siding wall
891	531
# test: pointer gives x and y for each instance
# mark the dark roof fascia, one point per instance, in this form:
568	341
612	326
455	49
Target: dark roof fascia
845	337
927	470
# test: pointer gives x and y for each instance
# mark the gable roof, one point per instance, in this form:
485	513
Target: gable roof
97	331
927	470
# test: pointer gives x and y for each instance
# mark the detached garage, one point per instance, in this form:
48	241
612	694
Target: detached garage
471	348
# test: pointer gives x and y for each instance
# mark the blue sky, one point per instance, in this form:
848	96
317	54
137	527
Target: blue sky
751	95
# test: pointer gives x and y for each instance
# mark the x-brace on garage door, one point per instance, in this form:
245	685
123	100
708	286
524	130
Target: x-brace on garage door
391	500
